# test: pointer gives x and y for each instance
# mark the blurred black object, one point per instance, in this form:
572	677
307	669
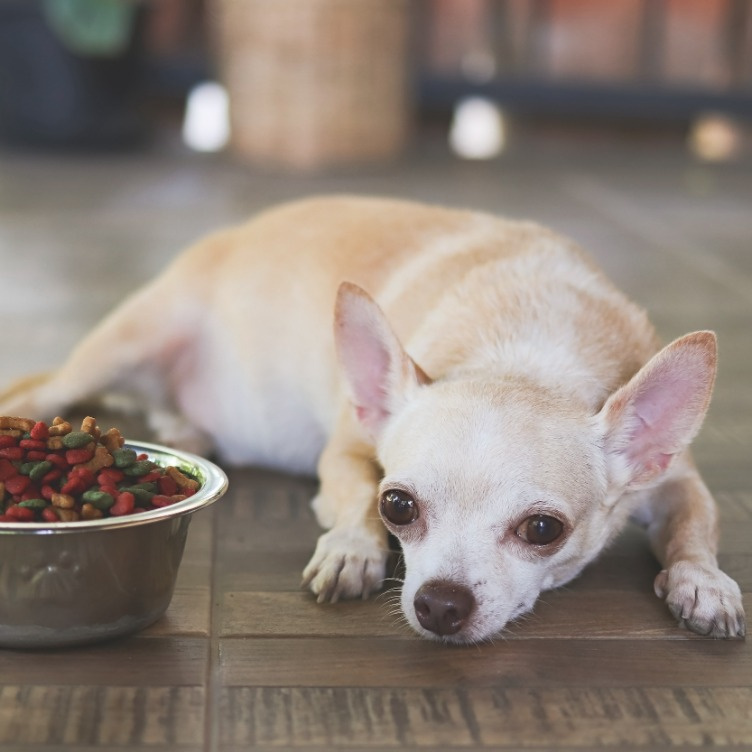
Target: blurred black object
52	96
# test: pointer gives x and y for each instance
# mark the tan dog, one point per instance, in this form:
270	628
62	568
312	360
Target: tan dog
542	415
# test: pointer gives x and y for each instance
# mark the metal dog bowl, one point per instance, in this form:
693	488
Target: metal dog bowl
69	583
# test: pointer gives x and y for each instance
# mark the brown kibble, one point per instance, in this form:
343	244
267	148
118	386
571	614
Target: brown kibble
181	480
90	512
20	424
60	427
102	458
112	439
11	432
55	442
2	490
67	515
63	501
89	425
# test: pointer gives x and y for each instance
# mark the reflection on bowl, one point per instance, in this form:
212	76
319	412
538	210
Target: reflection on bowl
68	583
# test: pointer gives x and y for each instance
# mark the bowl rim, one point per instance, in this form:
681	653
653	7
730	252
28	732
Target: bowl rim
214	484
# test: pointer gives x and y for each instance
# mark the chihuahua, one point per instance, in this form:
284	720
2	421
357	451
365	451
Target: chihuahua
491	400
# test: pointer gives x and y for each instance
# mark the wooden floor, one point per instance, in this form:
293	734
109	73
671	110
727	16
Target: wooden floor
244	659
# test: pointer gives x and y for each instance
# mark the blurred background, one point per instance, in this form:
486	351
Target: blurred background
311	84
129	128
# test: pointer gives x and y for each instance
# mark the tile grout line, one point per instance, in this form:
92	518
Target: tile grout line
623	212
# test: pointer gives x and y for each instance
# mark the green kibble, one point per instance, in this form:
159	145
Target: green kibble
149	486
27	467
124	458
35	504
140	494
99	499
77	439
142	467
39	470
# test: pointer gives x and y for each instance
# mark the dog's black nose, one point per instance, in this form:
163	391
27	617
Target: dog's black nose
442	607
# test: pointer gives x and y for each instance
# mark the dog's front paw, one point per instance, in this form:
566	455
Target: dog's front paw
704	599
348	562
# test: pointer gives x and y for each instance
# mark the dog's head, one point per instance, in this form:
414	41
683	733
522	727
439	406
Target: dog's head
499	489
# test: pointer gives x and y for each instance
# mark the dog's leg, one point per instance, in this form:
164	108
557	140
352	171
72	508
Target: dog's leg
682	526
350	559
650	422
133	349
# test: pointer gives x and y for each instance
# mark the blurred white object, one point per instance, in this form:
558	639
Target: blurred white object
477	130
715	137
206	126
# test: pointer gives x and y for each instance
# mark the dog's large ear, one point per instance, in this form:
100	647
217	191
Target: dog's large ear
655	416
379	373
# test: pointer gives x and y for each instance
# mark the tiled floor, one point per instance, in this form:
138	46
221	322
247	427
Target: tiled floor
244	659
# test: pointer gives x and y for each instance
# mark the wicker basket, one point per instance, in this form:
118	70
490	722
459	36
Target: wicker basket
314	83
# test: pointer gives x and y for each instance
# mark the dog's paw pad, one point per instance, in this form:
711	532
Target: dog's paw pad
704	599
347	563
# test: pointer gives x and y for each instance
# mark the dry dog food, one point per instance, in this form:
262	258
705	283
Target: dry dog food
52	473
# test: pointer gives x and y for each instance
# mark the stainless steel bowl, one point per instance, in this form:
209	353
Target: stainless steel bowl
69	583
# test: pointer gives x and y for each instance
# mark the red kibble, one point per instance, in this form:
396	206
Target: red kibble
49	515
167	486
7	470
32	492
33	444
12	453
35	456
110	476
125	504
85	475
52	476
78	456
162	500
8	441
79	479
40	431
17	484
142	456
73	486
20	514
5	518
46	492
57	459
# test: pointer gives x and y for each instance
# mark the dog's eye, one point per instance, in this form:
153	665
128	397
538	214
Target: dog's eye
540	529
398	507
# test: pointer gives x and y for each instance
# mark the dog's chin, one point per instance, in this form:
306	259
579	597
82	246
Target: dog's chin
478	630
469	635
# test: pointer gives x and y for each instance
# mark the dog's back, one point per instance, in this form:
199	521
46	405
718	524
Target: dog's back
460	288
